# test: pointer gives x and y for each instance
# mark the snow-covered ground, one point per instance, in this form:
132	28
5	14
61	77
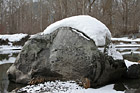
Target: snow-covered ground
66	87
126	39
127	45
14	37
9	60
10	49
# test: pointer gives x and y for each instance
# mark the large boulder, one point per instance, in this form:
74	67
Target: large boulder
66	55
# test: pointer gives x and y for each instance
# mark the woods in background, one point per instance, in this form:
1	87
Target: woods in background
32	16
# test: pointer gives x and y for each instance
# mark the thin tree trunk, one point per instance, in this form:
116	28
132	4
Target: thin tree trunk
41	15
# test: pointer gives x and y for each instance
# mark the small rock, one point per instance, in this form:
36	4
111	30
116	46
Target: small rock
133	71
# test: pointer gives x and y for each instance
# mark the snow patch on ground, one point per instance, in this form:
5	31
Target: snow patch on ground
5	49
66	87
10	60
92	27
129	63
114	53
111	51
131	52
131	49
14	37
128	45
126	39
9	51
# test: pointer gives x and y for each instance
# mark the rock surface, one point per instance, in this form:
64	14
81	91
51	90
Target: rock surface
22	41
3	42
133	71
65	55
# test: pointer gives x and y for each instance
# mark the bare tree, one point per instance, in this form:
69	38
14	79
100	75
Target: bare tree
27	16
90	5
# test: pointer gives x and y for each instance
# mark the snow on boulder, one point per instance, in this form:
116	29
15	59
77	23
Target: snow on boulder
111	51
92	27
